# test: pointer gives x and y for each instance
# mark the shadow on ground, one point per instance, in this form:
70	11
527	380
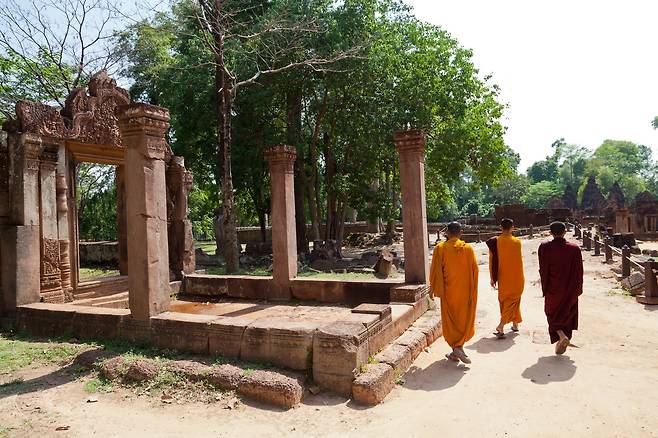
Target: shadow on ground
438	376
549	369
493	344
59	377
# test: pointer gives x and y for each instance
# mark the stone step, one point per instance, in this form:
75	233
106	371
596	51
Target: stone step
101	287
378	379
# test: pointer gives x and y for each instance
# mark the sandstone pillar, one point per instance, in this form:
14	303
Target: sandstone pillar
51	274
20	238
143	128
181	241
284	244
122	225
411	147
63	223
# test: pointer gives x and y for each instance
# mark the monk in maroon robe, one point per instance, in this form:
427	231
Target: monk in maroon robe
561	271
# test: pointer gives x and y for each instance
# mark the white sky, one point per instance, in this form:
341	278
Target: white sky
584	70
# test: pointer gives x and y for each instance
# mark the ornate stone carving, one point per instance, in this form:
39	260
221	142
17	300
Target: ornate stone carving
51	281
88	114
65	270
62	190
281	157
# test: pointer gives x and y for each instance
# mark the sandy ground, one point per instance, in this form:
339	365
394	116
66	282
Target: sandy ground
515	387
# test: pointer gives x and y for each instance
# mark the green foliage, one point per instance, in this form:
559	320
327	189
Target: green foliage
96	196
539	193
654	122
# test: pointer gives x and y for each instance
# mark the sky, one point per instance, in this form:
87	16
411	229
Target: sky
581	70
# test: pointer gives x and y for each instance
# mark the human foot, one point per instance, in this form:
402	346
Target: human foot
515	327
561	346
461	355
452	357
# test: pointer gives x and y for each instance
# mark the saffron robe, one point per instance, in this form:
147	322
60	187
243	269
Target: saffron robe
506	269
561	271
454	279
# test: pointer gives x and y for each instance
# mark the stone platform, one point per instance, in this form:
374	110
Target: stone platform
329	342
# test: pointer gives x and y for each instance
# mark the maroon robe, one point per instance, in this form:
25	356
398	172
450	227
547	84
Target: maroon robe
561	271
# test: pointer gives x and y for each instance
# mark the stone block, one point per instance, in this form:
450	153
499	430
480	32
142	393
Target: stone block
339	349
381	310
253	288
272	388
98	322
633	283
193	371
291	344
205	285
19	252
403	317
407	293
142	370
383	337
416	341
182	331
225	336
226	377
370	388
42	319
400	357
135	331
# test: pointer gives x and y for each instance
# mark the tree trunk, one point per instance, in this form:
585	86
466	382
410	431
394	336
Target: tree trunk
314	184
224	92
294	121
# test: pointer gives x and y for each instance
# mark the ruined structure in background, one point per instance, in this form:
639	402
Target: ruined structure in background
593	201
616	198
641	218
522	216
569	198
39	152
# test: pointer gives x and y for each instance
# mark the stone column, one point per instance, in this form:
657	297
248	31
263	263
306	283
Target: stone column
143	128
51	274
411	147
19	242
284	240
181	240
122	225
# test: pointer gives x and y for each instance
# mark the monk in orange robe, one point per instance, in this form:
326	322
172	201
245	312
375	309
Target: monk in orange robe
506	272
454	279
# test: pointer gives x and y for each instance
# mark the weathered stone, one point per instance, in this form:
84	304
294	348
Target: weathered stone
113	368
407	293
141	370
182	331
398	356
226	377
92	358
634	283
272	388
191	370
569	198
593	199
371	387
225	336
384	266
381	310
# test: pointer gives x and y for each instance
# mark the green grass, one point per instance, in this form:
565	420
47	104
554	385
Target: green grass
256	272
97	272
4	431
98	385
208	246
16	354
338	276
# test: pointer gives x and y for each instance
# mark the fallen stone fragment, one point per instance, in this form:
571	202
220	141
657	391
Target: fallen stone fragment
372	386
112	369
92	358
272	388
314	389
191	370
142	369
226	377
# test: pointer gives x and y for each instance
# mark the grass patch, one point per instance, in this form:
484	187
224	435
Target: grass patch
255	272
340	276
98	385
18	353
208	246
4	431
97	272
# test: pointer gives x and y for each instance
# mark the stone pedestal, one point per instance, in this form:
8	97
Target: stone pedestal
284	244
411	147
143	128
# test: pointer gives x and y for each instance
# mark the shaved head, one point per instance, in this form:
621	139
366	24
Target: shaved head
454	229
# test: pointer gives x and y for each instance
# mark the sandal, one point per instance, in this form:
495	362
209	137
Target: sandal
499	335
452	357
561	346
462	356
515	329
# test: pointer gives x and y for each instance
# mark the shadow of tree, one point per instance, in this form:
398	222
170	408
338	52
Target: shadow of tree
550	369
440	375
493	344
58	377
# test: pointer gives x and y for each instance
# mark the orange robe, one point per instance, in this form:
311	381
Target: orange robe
454	279
511	280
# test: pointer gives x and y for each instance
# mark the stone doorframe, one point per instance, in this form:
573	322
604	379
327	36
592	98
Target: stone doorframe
98	124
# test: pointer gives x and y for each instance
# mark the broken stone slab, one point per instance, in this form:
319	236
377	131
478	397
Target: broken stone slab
141	370
634	283
408	293
225	376
380	310
188	369
371	387
272	388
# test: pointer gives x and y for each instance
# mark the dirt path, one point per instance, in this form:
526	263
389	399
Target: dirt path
515	387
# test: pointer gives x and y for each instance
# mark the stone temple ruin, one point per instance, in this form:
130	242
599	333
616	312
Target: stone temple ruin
328	332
